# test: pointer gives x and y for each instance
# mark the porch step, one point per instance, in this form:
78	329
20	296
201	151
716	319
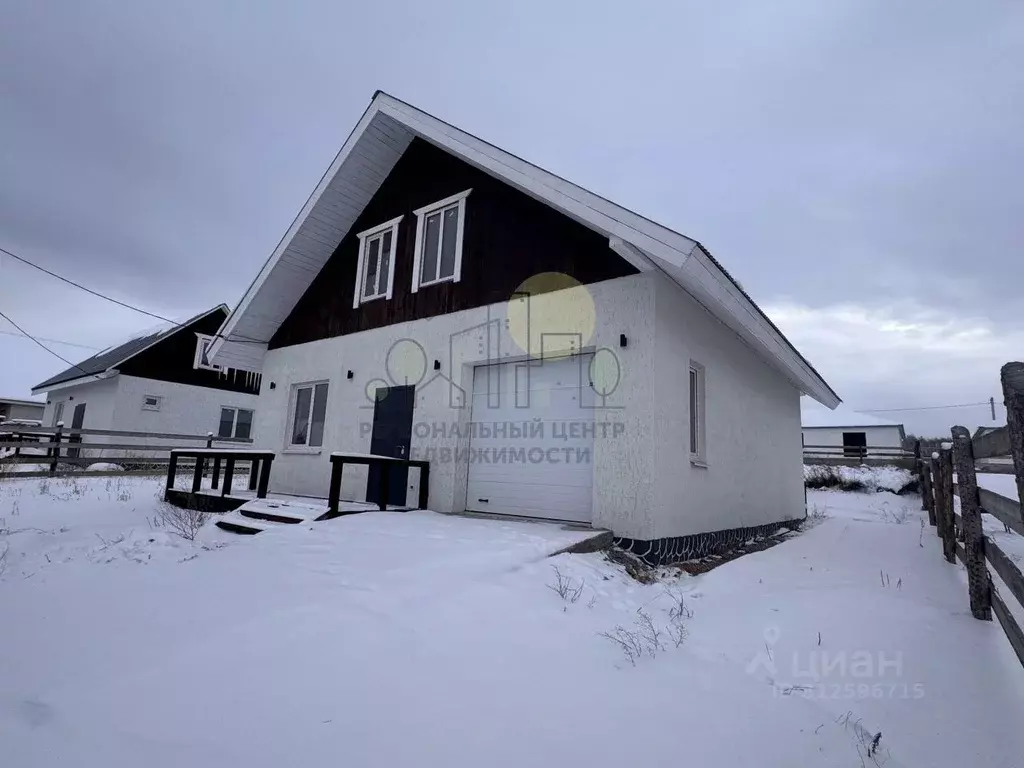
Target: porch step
234	525
258	515
262	514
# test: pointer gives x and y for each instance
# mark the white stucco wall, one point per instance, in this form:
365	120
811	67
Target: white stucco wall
878	436
116	404
98	396
644	484
621	466
184	409
754	471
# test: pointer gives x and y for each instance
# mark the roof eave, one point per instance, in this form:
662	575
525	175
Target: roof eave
68	383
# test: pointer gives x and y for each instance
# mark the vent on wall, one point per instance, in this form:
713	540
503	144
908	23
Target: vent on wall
151	402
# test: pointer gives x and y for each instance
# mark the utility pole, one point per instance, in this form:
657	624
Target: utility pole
992	405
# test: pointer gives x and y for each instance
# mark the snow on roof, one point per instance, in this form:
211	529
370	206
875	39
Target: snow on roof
814	415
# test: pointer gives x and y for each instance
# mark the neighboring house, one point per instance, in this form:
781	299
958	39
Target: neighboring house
553	355
20	410
159	381
846	432
982	431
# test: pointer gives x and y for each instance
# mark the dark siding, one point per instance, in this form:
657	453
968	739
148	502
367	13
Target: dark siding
172	360
509	237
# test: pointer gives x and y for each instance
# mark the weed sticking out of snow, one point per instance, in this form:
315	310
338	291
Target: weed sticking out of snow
646	637
868	744
866	479
566	587
181	521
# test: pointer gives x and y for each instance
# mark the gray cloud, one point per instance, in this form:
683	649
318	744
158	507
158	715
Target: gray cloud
849	154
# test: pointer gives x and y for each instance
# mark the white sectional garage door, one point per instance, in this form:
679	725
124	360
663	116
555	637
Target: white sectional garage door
547	483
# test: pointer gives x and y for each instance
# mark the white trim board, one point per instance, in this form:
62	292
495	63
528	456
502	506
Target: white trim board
380	137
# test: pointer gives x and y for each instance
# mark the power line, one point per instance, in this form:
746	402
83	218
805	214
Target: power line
922	408
240	339
37	341
52	341
82	287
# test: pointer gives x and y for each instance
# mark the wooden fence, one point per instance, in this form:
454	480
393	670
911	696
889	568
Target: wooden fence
953	470
868	455
70	451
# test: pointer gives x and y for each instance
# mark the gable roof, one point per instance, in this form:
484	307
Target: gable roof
105	361
382	134
813	416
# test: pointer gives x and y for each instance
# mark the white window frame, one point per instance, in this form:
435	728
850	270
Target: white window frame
697	422
365	238
197	361
234	420
58	413
156	406
293	401
421	217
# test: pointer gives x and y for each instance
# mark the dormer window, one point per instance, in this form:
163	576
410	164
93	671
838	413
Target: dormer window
439	230
375	273
202	358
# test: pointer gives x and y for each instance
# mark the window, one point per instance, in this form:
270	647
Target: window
151	402
375	273
202	358
439	230
308	413
58	413
235	422
697	428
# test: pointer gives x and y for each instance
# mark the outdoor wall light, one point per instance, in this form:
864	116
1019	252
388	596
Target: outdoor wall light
349	375
273	385
623	341
437	365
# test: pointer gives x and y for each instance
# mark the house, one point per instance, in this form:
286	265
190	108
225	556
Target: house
12	409
554	355
159	381
982	431
846	432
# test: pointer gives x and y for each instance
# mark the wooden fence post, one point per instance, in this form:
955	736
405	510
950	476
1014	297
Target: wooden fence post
209	439
927	499
945	492
919	466
55	450
937	493
970	525
1012	375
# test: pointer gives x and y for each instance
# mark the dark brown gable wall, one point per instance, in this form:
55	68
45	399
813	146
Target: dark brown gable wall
509	237
172	359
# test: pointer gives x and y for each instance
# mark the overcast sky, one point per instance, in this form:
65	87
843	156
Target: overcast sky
856	164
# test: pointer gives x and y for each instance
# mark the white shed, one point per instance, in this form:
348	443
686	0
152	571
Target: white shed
845	432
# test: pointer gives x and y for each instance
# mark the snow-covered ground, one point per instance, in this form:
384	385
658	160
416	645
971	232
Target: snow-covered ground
390	639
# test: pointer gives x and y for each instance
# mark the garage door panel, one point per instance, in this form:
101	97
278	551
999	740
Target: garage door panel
536	501
557	486
570	475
